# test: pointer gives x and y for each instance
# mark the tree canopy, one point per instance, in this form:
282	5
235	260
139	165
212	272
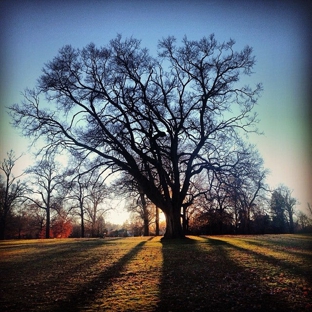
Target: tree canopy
164	120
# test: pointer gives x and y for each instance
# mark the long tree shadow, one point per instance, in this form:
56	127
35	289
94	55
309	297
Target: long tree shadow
301	247
38	271
285	241
284	266
199	275
88	292
46	252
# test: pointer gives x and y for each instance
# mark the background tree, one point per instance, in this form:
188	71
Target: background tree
61	225
87	192
135	225
232	197
142	208
78	192
282	207
137	203
305	219
95	208
47	178
216	204
290	204
249	187
304	222
32	219
11	190
162	120
78	195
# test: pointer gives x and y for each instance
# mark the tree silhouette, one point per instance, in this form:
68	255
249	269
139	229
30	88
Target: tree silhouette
47	178
163	119
282	207
126	187
11	190
86	192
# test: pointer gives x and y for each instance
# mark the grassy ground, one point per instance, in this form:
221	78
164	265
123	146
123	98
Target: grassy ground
216	273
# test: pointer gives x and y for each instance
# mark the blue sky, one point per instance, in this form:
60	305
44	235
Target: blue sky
33	31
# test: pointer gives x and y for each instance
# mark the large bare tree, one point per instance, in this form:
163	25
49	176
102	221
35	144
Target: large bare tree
162	119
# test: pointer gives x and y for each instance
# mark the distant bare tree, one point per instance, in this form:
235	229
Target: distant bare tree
249	185
283	209
88	194
47	178
11	190
126	187
238	191
95	207
143	208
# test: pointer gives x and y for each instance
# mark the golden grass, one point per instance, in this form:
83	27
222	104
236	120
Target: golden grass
133	289
220	273
281	264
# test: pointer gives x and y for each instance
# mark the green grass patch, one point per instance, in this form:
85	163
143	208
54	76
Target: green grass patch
217	273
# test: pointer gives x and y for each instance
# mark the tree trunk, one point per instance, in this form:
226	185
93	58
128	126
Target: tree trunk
48	207
82	227
291	223
82	234
145	214
157	221
2	228
248	220
220	220
48	223
173	224
146	227
184	220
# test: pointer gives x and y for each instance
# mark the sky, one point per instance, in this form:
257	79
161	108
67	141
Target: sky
32	32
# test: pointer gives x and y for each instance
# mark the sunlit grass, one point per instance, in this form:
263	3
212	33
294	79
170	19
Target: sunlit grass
220	273
280	248
279	265
58	269
133	289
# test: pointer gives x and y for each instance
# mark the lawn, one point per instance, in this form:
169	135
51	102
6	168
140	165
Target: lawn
208	273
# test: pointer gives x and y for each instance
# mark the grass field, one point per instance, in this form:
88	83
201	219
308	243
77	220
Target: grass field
215	273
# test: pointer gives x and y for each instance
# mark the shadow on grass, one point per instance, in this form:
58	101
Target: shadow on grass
299	245
45	250
82	299
37	271
32	263
199	275
290	240
284	266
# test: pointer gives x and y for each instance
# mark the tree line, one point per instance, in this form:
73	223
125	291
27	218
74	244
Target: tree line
44	203
49	201
170	126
